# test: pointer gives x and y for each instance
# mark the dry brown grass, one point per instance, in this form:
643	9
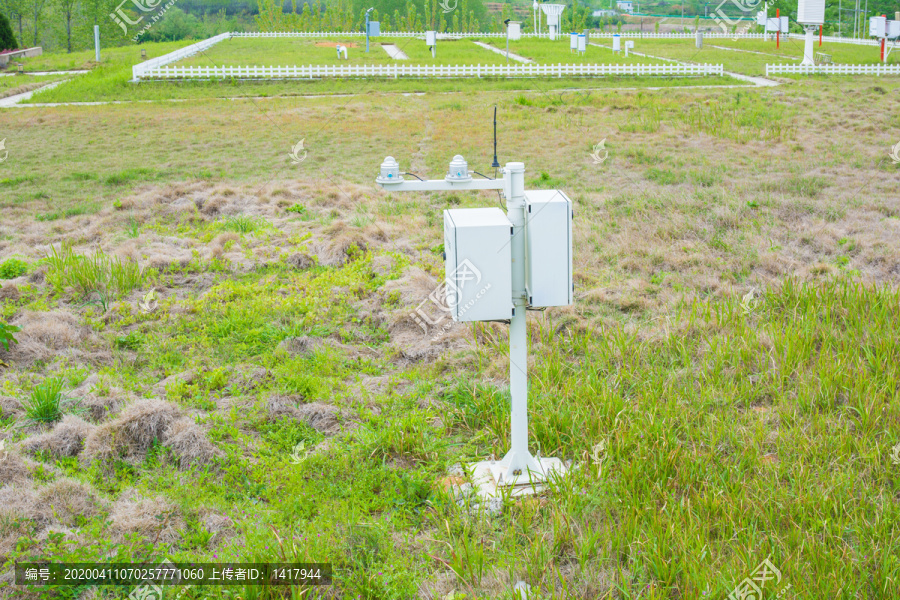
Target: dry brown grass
189	442
46	335
130	435
99	398
66	438
67	499
155	519
324	418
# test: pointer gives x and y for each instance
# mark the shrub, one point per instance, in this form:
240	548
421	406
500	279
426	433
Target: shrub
7	38
6	335
12	268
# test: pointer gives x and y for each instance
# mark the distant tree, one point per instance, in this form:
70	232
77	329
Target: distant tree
7	38
14	11
68	10
36	12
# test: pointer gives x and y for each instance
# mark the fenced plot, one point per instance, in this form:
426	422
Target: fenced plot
455	71
832	69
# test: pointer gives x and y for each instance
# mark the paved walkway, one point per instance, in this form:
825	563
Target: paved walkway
752	52
756	81
43	73
394	52
14	100
515	57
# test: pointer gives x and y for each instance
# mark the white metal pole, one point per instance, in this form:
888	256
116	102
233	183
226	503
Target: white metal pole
97	43
808	46
518	461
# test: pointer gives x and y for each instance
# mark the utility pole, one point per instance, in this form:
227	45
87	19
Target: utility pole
367	27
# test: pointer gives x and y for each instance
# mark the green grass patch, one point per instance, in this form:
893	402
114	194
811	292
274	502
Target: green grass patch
97	278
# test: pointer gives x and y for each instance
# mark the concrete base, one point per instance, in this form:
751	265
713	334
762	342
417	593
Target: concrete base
489	478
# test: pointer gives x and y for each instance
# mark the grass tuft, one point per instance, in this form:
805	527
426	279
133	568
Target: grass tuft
43	406
102	276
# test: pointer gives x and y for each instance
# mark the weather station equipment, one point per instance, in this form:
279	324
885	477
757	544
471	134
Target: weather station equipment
431	42
341	50
811	15
513	32
373	28
552	11
496	267
884	30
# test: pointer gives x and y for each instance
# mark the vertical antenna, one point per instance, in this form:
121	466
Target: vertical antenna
496	164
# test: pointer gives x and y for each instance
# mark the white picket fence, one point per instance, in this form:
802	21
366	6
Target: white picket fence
832	70
399	70
841	40
140	70
564	36
421	34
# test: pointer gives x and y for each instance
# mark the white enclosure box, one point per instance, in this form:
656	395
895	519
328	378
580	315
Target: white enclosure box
617	42
478	280
772	24
582	42
573	41
878	27
430	38
374	29
514	30
761	19
893	29
785	25
811	12
548	262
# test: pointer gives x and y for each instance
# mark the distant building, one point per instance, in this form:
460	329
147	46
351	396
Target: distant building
625	6
604	13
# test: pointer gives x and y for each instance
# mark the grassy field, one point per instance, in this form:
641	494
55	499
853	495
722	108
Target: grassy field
556	52
303	51
110	81
725	384
750	57
85	59
295	51
17	84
